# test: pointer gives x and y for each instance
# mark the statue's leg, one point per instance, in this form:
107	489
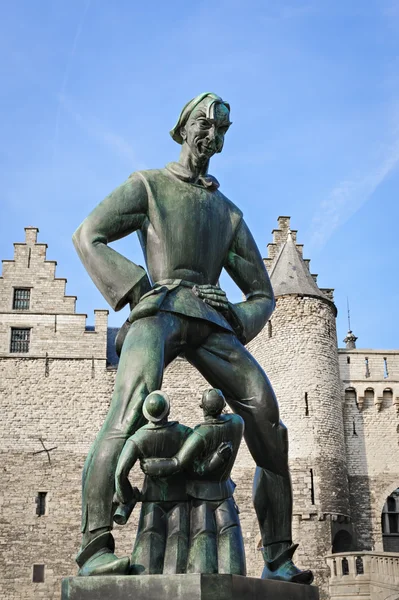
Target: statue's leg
228	365
231	553
178	528
202	556
149	547
150	344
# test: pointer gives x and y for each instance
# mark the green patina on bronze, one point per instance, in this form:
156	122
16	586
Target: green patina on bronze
189	231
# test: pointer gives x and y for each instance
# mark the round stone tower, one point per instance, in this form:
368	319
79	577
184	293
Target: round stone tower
298	350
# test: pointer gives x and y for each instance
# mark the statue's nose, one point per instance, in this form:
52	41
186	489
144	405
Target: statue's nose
211	133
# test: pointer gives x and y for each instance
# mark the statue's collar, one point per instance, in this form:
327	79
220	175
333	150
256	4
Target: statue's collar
160	425
207	181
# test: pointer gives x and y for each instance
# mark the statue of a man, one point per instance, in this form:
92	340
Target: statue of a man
208	455
161	544
189	232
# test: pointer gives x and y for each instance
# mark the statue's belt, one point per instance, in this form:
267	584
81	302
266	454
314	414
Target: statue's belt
157	298
171	284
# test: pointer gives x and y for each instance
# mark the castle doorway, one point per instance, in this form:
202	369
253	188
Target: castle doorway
390	522
342	542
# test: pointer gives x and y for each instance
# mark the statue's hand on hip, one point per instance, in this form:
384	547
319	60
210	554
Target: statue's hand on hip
225	450
212	295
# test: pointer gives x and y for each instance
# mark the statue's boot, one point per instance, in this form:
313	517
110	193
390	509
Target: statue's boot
279	565
98	558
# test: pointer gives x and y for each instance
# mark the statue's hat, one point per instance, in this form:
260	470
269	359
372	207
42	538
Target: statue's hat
213	401
188	109
156	406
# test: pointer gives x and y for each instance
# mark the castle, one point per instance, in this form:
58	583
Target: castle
340	405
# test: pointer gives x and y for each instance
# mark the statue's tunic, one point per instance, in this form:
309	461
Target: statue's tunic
187	232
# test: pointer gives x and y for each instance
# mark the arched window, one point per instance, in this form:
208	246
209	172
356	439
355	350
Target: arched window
390	522
350	395
369	396
387	396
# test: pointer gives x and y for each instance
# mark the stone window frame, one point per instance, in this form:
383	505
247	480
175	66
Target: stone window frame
21	287
19	327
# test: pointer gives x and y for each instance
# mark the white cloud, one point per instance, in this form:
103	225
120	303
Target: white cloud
349	196
96	129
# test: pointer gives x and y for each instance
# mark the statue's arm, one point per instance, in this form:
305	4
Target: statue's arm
245	266
119	280
215	460
164	467
123	489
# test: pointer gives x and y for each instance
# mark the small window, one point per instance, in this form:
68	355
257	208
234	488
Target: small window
312	497
41	504
38	574
366	363
348	360
21	300
20	339
386	374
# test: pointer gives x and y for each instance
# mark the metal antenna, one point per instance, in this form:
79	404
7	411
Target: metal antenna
349	314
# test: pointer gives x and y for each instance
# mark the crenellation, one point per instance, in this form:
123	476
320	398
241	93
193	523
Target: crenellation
284	224
31	235
272	251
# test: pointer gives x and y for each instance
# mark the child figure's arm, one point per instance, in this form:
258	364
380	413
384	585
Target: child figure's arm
124	493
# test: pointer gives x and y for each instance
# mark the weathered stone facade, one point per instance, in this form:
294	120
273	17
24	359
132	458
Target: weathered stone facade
58	393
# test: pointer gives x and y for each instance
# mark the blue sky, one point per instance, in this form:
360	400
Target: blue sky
90	90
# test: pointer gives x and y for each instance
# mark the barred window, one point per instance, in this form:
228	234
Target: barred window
20	339
21	299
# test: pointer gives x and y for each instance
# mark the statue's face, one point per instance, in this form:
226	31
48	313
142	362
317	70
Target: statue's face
205	134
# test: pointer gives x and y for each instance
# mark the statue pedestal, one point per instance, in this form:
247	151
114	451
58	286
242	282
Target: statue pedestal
183	587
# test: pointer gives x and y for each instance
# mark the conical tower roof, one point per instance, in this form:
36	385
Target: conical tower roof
289	273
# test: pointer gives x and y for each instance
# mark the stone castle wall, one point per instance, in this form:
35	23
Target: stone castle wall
299	353
65	409
60	391
370	388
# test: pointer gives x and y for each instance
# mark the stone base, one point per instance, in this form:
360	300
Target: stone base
183	587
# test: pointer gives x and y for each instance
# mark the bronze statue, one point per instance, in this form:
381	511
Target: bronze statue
162	538
189	232
208	454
